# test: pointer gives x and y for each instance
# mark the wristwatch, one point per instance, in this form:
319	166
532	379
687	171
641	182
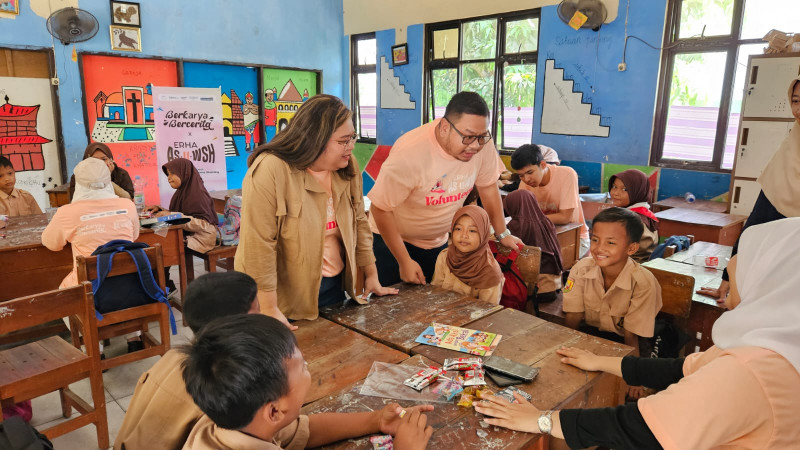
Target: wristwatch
502	235
545	422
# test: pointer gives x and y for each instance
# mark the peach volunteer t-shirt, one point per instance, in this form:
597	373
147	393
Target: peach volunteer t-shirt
561	192
743	397
332	261
424	186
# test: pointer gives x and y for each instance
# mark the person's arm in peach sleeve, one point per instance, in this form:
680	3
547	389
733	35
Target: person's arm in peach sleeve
53	236
568	198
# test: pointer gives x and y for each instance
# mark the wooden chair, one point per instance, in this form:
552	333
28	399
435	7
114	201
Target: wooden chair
118	323
222	256
528	261
51	364
677	291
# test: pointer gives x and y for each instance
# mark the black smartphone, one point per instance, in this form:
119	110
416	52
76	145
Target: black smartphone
502	380
510	368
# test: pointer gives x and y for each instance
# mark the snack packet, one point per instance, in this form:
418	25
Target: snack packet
382	442
484	392
447	388
474	376
465	400
462	363
424	378
508	394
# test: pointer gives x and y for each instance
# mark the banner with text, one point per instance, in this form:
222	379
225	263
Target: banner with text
188	124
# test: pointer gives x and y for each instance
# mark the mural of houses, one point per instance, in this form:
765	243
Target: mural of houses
124	116
19	139
289	101
232	121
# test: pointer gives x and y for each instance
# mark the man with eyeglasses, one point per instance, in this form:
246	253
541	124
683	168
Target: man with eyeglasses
424	181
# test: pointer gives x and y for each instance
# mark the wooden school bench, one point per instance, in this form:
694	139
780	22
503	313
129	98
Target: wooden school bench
680	202
220	256
706	226
220	197
59	195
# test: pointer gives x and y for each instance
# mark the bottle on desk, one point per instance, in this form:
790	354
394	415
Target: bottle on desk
689	197
138	194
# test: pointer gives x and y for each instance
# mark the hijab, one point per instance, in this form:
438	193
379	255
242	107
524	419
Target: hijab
780	179
92	181
530	224
119	176
191	198
638	187
766	277
478	268
549	155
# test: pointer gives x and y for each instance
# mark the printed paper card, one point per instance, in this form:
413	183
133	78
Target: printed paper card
464	340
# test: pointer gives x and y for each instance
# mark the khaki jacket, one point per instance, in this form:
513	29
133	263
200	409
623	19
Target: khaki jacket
282	231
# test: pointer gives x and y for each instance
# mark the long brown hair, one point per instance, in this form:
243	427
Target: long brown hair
309	131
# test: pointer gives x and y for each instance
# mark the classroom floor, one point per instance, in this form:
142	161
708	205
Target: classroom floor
119	384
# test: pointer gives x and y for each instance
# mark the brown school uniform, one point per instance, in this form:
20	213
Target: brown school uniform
18	203
161	414
207	435
445	279
647	244
631	303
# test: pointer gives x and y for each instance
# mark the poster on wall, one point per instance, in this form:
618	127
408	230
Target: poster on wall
28	133
285	90
240	112
189	125
119	111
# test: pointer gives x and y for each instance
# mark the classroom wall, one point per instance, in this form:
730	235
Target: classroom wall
269	32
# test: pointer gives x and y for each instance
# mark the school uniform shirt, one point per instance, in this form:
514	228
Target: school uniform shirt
445	279
744	397
89	224
560	193
424	186
18	203
647	244
207	435
631	303
282	232
161	414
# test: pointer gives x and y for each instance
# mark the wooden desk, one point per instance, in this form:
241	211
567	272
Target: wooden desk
28	267
723	252
397	320
569	238
680	202
337	356
591	209
705	310
454	426
704	225
220	197
59	195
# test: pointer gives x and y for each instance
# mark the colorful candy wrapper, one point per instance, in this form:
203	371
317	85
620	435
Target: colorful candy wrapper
484	392
508	394
462	363
424	378
447	388
383	442
474	376
469	389
465	400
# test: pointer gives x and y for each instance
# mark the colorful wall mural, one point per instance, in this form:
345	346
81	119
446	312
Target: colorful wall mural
285	90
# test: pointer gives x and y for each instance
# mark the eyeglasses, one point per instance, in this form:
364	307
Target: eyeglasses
467	140
345	142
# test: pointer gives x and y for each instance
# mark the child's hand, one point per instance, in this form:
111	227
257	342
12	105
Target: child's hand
582	359
636	392
519	416
153	209
389	416
413	432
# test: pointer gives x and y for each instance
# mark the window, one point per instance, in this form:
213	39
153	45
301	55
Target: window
364	86
493	56
704	63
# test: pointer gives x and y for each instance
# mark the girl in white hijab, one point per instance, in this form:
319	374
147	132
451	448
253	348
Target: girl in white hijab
740	393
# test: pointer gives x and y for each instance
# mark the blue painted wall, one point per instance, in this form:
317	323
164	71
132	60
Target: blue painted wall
248	31
393	123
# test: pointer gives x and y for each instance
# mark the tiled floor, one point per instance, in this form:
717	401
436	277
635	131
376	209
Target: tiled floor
119	384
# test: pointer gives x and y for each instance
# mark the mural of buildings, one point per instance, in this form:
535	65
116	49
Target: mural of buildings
233	121
124	116
19	138
289	101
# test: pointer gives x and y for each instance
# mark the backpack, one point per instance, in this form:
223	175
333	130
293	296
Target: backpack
681	242
229	230
15	434
129	290
515	292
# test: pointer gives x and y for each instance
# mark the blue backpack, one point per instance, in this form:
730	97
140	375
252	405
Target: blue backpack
129	290
680	242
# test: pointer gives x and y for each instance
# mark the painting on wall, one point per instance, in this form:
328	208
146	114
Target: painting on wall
28	133
564	109
126	13
126	39
285	90
119	110
240	113
9	6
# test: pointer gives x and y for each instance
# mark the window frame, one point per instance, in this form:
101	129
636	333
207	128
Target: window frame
355	70
501	59
673	46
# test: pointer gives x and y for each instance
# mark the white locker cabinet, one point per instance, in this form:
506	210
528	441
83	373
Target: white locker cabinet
767	85
744	196
758	141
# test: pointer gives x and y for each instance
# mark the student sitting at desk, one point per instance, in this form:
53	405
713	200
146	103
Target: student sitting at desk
555	188
468	266
13	201
631	189
161	413
609	290
529	223
740	393
247	375
120	179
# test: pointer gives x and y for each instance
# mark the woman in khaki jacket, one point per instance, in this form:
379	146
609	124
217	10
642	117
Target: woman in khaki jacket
303	230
